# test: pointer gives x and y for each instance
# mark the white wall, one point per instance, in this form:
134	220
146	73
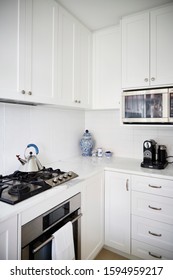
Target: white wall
125	141
55	131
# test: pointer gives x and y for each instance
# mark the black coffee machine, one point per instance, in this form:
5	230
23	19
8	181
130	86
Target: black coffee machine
154	156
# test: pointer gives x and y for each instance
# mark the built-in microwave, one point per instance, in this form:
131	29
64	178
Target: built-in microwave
148	106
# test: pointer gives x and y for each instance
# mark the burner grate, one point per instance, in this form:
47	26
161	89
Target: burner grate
19	189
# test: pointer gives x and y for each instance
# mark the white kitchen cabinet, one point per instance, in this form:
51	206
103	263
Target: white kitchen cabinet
28	50
74	62
92	222
10	15
147	48
107	68
82	74
152	218
117	211
8	239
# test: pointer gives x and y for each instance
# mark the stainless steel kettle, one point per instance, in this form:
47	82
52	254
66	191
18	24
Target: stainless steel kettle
31	162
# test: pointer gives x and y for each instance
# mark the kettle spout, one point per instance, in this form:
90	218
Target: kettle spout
22	161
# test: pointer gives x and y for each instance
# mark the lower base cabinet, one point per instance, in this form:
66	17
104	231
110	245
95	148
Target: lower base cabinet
117	211
152	218
92	222
8	239
148	252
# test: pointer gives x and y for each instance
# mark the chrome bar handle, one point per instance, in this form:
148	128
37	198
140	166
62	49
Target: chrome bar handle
77	218
157	257
155	187
42	245
127	185
154	208
155	234
52	237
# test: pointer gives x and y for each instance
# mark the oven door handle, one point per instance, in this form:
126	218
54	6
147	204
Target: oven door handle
52	237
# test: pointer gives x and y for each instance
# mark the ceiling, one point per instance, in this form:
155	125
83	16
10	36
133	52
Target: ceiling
97	14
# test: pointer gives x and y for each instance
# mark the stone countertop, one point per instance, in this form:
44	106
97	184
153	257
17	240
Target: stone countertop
85	167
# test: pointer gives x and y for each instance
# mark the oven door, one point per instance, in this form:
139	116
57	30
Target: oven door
145	106
41	247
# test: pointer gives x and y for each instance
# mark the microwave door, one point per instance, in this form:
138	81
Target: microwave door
147	106
134	110
171	106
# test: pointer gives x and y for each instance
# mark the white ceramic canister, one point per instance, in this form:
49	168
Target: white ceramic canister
99	152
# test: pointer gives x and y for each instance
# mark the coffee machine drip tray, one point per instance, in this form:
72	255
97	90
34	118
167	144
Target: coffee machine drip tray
154	165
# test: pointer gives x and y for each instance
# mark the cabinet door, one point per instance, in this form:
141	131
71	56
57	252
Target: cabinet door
93	217
117	211
107	68
11	12
66	58
82	69
135	51
42	72
28	50
8	239
161	46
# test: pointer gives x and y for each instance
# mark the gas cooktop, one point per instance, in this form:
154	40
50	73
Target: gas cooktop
19	186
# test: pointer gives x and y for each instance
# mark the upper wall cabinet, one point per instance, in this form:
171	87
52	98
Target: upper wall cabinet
147	41
28	54
73	62
107	68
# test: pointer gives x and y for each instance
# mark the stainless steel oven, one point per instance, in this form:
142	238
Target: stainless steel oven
37	234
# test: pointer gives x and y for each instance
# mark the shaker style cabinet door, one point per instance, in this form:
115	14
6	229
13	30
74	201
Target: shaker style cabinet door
42	72
107	68
8	239
28	35
92	222
82	69
74	54
117	211
66	44
161	46
147	40
135	51
10	17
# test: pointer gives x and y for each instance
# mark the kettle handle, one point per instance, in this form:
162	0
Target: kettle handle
34	146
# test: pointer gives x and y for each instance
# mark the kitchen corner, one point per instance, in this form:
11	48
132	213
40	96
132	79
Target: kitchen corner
90	171
65	79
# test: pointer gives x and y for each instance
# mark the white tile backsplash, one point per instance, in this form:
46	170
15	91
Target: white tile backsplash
125	141
56	132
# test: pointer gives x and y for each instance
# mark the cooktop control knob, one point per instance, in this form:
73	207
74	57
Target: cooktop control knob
60	178
55	180
70	173
65	175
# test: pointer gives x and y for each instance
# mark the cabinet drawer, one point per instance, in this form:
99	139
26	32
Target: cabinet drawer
153	207
153	185
152	232
149	252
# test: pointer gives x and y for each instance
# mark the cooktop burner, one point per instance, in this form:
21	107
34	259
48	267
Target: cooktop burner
19	189
19	186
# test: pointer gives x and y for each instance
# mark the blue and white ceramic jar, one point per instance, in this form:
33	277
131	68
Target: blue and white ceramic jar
86	144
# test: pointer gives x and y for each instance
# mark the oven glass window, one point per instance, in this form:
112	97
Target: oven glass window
56	215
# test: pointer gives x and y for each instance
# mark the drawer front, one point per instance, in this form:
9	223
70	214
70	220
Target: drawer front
152	206
152	232
153	185
149	252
